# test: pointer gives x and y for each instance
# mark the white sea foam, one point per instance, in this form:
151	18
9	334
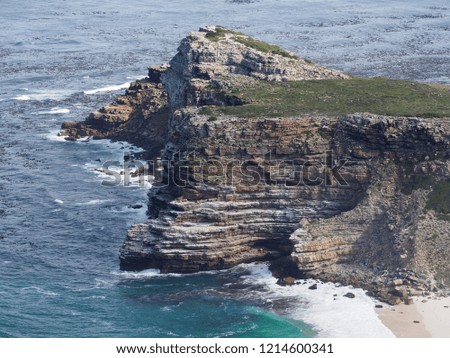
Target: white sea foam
107	151
59	201
22	98
95	298
93	202
40	95
138	275
142	181
55	110
135	78
108	88
55	136
152	273
325	308
99	283
40	290
136	215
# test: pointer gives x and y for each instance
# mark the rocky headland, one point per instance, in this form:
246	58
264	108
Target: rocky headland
266	156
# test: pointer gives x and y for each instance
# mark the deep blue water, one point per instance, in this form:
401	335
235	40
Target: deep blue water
61	230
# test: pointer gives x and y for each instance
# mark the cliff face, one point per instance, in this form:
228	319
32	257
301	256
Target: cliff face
347	198
140	116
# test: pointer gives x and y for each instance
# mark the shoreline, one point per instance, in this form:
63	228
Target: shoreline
424	318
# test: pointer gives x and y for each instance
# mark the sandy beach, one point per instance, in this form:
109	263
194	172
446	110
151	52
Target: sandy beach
426	317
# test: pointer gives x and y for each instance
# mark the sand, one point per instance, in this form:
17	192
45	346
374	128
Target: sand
426	317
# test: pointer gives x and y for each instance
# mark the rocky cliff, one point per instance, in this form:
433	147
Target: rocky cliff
360	198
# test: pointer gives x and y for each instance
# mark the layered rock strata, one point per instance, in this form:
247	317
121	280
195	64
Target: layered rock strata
341	198
139	116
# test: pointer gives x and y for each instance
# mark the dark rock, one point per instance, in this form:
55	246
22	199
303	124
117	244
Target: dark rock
399	292
313	287
349	295
155	72
135	206
378	306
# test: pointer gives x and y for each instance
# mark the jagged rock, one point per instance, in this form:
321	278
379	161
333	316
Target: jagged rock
349	295
140	116
198	74
313	287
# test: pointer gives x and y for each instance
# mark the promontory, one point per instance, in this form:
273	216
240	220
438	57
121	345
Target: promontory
261	155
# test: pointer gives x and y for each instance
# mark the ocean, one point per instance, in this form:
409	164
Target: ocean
61	230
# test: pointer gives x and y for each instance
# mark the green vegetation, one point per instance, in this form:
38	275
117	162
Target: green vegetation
439	199
421	181
220	32
336	97
445	217
263	46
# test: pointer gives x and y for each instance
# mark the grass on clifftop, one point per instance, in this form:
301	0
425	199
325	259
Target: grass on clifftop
335	97
262	46
220	33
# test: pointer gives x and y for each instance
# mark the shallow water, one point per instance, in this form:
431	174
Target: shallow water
61	230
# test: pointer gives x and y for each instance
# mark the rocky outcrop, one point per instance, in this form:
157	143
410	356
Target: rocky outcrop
344	198
207	60
139	116
252	204
235	207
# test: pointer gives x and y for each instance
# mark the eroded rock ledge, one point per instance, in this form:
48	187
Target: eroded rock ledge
349	198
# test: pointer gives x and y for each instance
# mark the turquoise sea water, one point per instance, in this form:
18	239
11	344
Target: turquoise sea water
60	230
